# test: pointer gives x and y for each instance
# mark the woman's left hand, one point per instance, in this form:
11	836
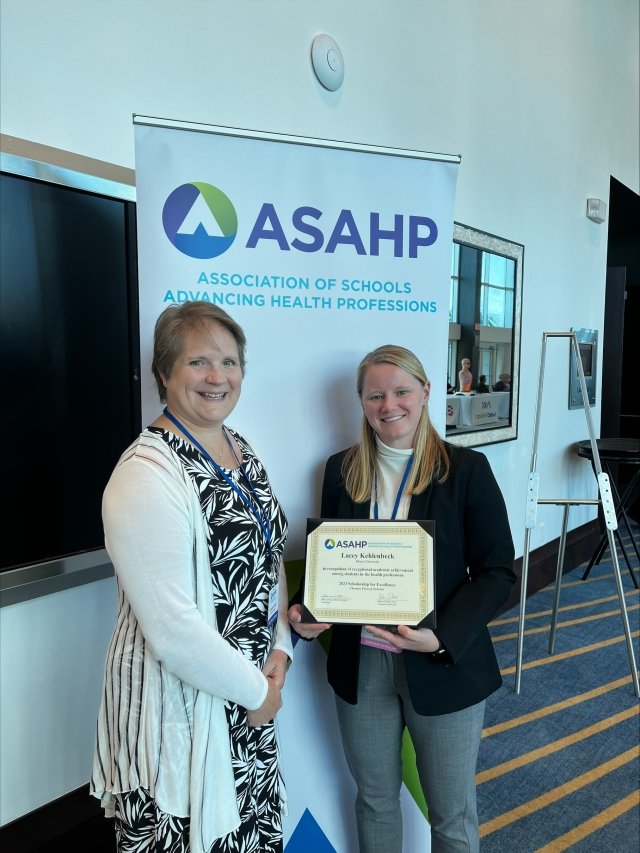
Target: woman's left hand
276	667
411	639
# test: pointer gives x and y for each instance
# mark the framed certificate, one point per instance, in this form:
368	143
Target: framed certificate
370	572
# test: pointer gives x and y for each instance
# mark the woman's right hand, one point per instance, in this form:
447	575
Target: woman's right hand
308	630
269	708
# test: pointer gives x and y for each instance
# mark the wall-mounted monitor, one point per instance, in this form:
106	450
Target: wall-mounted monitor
69	355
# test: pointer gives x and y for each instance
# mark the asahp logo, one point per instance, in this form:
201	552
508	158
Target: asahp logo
329	544
200	220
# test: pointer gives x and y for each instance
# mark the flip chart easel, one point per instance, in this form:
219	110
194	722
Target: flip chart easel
605	501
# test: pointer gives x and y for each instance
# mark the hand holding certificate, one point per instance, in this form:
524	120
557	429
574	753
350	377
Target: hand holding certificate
373	579
369	572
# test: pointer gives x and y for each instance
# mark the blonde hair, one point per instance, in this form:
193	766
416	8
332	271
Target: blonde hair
431	461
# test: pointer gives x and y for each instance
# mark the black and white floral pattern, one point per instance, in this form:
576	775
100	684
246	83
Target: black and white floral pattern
244	567
142	828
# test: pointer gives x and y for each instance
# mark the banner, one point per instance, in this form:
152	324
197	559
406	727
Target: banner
322	251
321	254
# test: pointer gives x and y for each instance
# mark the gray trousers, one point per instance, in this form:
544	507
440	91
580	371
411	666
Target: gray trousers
446	754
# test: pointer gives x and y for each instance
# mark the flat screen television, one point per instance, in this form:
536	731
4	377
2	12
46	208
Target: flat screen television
69	355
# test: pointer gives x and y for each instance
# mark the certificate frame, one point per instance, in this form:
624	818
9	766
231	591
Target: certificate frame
370	572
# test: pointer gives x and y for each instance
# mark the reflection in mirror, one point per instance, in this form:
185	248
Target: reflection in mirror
484	338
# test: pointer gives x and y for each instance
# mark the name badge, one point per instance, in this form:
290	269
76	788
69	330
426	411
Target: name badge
274	599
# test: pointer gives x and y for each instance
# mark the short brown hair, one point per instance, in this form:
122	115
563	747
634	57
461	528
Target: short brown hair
172	327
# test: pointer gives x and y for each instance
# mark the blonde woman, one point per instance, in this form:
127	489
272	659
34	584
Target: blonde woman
432	682
465	377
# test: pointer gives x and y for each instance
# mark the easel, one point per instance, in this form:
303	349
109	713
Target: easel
605	501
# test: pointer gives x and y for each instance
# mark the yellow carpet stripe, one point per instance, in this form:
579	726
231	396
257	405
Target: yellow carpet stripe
558	706
555	746
563	842
589	580
592	579
580	621
555	794
540	613
583	650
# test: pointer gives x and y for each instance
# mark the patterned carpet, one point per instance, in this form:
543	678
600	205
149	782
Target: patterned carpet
559	764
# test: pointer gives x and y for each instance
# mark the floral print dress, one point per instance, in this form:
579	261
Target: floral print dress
246	535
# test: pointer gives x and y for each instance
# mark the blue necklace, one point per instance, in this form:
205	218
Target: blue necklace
254	505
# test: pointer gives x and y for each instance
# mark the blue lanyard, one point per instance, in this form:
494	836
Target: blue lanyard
257	509
400	491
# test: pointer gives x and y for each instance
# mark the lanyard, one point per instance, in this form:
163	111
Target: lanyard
256	508
400	491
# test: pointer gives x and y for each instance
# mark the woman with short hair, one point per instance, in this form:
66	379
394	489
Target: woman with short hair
186	756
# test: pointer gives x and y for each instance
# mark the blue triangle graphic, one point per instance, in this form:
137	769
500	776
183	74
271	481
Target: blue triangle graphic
308	837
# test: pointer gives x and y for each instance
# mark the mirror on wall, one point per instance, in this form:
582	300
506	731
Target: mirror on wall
483	359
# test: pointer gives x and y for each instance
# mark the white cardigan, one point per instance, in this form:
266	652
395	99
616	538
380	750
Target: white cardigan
162	723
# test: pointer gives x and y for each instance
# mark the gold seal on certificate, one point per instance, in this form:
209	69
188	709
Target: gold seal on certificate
370	572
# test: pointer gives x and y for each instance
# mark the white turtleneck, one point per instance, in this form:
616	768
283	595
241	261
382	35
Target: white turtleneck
392	463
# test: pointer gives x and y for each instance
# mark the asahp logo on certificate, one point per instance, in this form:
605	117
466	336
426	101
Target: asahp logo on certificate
374	572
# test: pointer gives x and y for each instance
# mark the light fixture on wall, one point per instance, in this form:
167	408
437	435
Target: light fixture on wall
327	62
596	209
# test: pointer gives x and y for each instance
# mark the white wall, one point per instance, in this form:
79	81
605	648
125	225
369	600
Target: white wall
52	652
540	97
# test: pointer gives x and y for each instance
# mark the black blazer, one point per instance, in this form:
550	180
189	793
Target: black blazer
474	574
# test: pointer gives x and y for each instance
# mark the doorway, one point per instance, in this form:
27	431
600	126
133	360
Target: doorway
620	363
